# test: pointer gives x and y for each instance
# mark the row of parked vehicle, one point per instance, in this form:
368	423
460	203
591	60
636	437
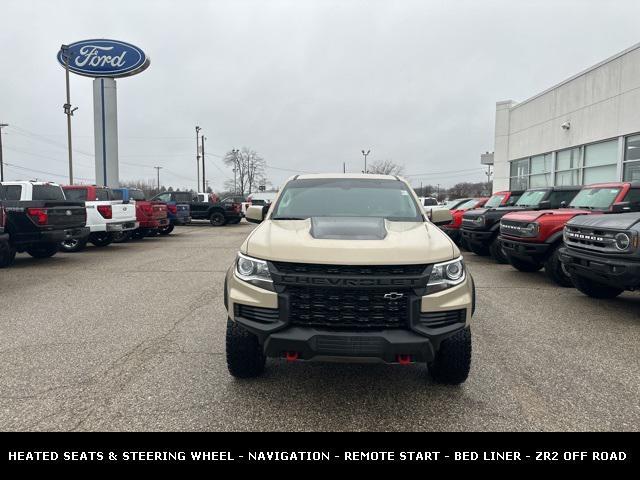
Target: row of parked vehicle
42	218
583	236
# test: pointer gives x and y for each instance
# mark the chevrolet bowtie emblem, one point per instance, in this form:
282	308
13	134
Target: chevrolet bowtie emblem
393	296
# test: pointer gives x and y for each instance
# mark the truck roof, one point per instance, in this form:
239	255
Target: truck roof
611	184
343	175
31	182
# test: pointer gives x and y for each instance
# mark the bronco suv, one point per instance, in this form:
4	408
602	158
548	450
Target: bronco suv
531	240
348	267
481	228
602	253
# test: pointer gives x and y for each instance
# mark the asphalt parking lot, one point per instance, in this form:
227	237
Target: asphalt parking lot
131	337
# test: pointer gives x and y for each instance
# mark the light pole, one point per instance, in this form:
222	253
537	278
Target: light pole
197	157
365	159
158	172
68	111
204	181
1	161
235	169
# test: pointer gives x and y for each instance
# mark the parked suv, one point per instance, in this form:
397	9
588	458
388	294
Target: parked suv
531	240
38	218
453	229
602	253
349	267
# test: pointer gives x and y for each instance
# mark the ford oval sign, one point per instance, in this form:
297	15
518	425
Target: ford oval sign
104	58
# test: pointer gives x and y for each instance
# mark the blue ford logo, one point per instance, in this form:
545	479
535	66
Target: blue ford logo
104	58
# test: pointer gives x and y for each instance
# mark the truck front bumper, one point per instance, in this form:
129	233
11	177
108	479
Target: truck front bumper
418	342
454	233
609	270
478	237
526	251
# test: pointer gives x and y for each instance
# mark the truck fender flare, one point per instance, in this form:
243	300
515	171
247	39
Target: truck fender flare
554	238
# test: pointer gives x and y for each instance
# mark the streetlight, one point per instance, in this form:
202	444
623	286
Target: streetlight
158	170
68	111
365	159
234	152
2	125
197	158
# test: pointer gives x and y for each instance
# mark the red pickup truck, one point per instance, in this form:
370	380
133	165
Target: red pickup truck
453	229
532	239
151	215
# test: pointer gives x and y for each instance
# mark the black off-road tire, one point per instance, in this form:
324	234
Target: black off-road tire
44	250
595	289
555	271
453	360
480	250
495	249
245	358
166	230
217	219
7	255
101	239
72	246
523	265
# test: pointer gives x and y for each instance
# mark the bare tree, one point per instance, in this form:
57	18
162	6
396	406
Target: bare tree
249	170
385	167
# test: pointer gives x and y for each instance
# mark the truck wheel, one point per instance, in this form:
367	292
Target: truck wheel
101	239
121	237
74	245
245	358
480	250
524	266
495	249
555	270
166	230
595	289
7	256
217	219
43	251
453	360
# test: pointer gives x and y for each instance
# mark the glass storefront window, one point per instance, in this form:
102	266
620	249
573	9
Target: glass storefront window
632	171
568	159
632	150
543	180
606	173
567	178
605	153
541	164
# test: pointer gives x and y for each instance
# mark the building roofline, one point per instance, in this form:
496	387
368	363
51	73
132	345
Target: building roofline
577	75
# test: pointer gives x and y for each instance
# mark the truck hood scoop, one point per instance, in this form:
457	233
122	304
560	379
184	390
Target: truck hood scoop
352	228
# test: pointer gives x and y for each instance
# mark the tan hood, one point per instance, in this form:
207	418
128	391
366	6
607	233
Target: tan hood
404	243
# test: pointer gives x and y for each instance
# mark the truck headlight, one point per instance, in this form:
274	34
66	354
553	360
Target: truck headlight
479	221
254	271
446	275
623	241
531	229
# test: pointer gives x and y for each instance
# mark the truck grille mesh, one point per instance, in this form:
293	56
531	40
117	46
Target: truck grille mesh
346	308
349	270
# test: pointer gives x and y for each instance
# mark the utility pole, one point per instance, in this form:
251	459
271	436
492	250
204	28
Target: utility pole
68	111
235	168
1	161
344	167
197	157
158	171
365	159
204	181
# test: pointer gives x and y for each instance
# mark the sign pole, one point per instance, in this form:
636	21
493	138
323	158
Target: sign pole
67	108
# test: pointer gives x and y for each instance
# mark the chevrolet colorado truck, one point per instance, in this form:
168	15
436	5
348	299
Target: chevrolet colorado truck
531	240
105	216
151	215
453	229
481	227
602	253
218	214
39	217
347	267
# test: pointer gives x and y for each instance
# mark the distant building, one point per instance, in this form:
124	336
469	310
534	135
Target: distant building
581	131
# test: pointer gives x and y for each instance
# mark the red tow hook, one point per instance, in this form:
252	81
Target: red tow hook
291	356
404	359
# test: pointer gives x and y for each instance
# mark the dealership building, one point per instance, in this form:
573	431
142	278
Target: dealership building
584	130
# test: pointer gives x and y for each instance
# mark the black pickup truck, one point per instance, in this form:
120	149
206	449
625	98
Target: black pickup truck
38	218
218	214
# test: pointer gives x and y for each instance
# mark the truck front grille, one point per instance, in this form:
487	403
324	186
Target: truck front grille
348	308
591	239
349	270
514	229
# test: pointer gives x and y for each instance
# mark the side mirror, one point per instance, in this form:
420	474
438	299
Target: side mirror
545	205
255	214
621	207
440	216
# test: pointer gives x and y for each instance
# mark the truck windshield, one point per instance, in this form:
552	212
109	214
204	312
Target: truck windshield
595	198
47	192
495	201
347	197
467	205
531	198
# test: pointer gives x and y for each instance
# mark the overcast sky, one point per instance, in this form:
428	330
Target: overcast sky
306	83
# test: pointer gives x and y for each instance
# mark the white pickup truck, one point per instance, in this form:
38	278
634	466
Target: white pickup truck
105	215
